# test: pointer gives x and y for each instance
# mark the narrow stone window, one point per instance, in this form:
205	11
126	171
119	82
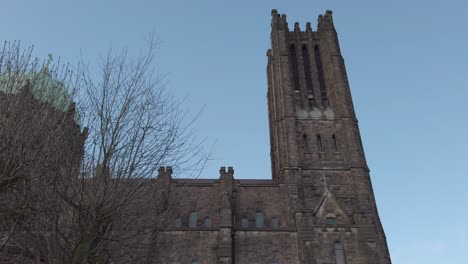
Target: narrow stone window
294	69
207	222
306	144
339	253
178	222
335	143
274	223
308	77
259	220
319	143
295	74
193	220
318	62
245	222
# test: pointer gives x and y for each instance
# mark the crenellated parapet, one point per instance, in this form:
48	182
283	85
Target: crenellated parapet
225	212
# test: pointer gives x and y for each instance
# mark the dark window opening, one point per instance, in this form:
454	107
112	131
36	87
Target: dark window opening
310	88
295	74
178	222
318	62
305	144
207	222
245	222
319	143
335	143
274	223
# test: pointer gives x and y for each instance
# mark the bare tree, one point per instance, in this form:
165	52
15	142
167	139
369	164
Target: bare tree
134	127
37	117
110	209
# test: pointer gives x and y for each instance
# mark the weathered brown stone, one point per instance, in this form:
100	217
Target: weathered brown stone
320	198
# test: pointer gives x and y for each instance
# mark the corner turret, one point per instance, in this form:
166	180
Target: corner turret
325	22
165	174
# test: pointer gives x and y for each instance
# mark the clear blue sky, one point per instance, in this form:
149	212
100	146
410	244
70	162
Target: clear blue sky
407	63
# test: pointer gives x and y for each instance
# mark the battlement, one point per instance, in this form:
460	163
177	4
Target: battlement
324	22
166	173
226	173
163	169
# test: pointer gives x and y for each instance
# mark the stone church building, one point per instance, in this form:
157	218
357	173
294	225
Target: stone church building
319	206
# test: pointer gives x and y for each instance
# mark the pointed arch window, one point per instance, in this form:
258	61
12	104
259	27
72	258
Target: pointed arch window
319	143
178	222
207	222
318	62
274	223
339	253
308	77
245	222
305	144
295	74
259	220
193	220
335	143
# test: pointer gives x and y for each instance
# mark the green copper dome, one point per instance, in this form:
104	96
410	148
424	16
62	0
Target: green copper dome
43	87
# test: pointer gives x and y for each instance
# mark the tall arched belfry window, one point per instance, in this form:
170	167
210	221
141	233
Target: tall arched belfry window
308	77
295	74
339	253
318	62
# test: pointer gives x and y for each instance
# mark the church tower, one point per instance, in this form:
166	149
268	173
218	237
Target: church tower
316	148
319	207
